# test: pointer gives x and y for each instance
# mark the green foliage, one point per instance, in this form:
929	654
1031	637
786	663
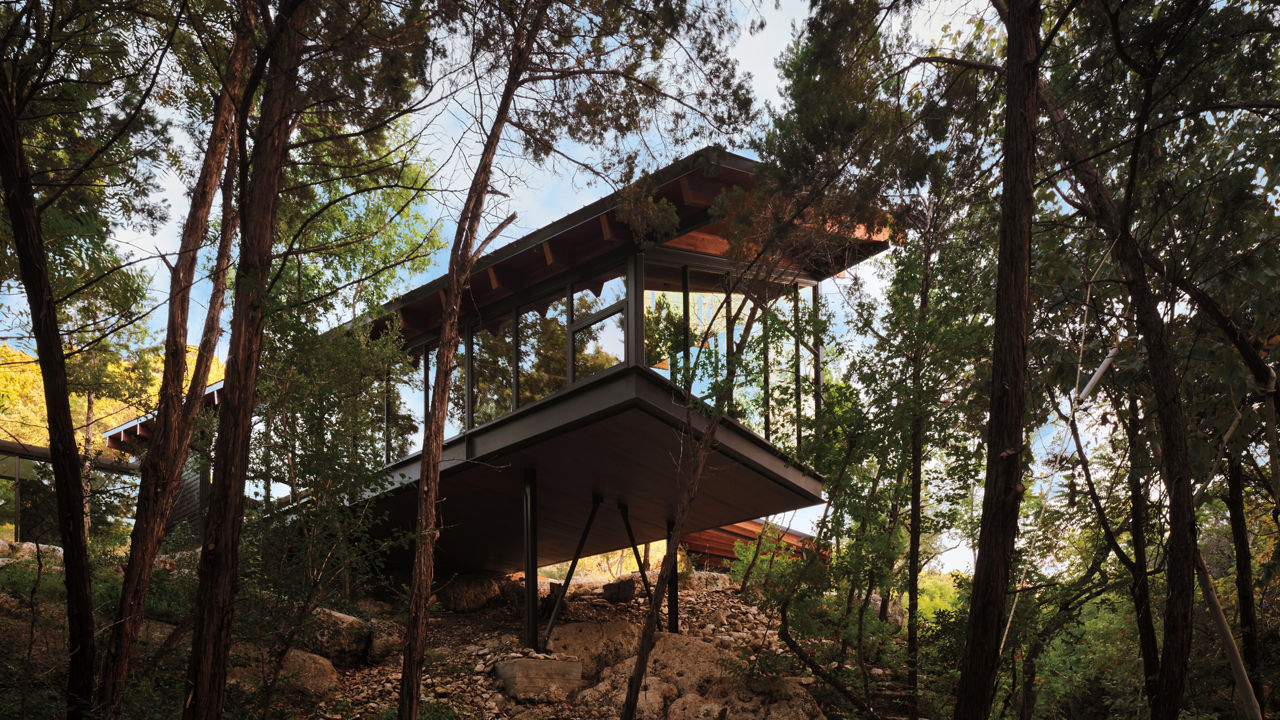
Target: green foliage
322	437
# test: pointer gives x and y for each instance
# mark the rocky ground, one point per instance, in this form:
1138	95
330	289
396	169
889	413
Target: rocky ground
724	631
350	669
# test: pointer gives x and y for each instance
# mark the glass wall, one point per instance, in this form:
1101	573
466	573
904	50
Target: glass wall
708	332
455	420
756	324
409	401
599	323
695	321
543	347
664	331
492	370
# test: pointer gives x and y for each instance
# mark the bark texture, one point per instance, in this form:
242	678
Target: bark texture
33	267
462	257
175	417
1002	495
219	559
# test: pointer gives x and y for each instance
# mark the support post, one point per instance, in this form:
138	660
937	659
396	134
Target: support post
573	564
626	523
687	381
816	337
795	336
635	311
673	587
531	557
17	499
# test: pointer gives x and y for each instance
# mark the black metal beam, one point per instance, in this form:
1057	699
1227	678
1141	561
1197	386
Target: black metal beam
673	587
644	578
531	557
573	564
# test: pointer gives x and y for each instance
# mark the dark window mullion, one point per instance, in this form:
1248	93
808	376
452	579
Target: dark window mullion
568	336
596	317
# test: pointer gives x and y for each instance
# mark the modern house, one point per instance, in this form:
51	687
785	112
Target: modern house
588	353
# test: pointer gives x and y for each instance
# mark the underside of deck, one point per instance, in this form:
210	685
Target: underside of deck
618	437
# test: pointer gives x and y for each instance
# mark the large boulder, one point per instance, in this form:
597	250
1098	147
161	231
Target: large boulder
552	678
301	672
597	645
341	638
50	555
687	681
622	591
387	638
704	581
469	592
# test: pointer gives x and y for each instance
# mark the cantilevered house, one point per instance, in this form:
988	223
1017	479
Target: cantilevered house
584	346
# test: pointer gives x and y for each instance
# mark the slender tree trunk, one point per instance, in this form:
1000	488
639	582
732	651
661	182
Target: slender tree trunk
1244	685
1140	588
917	482
1172	423
33	267
1003	488
462	257
87	467
1027	696
206	674
1252	651
162	465
891	522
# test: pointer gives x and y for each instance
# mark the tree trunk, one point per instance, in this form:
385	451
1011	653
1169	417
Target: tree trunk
87	467
206	674
1100	206
462	257
917	460
1003	487
1244	686
1139	588
162	465
1172	422
64	455
1252	651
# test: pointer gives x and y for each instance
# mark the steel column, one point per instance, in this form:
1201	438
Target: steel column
17	499
573	564
531	557
626	523
817	351
687	381
673	586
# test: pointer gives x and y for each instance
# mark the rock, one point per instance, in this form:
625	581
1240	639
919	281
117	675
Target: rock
374	607
469	592
596	645
693	707
6	548
621	591
703	581
49	554
687	681
341	638
302	671
686	662
547	603
387	637
551	679
653	699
